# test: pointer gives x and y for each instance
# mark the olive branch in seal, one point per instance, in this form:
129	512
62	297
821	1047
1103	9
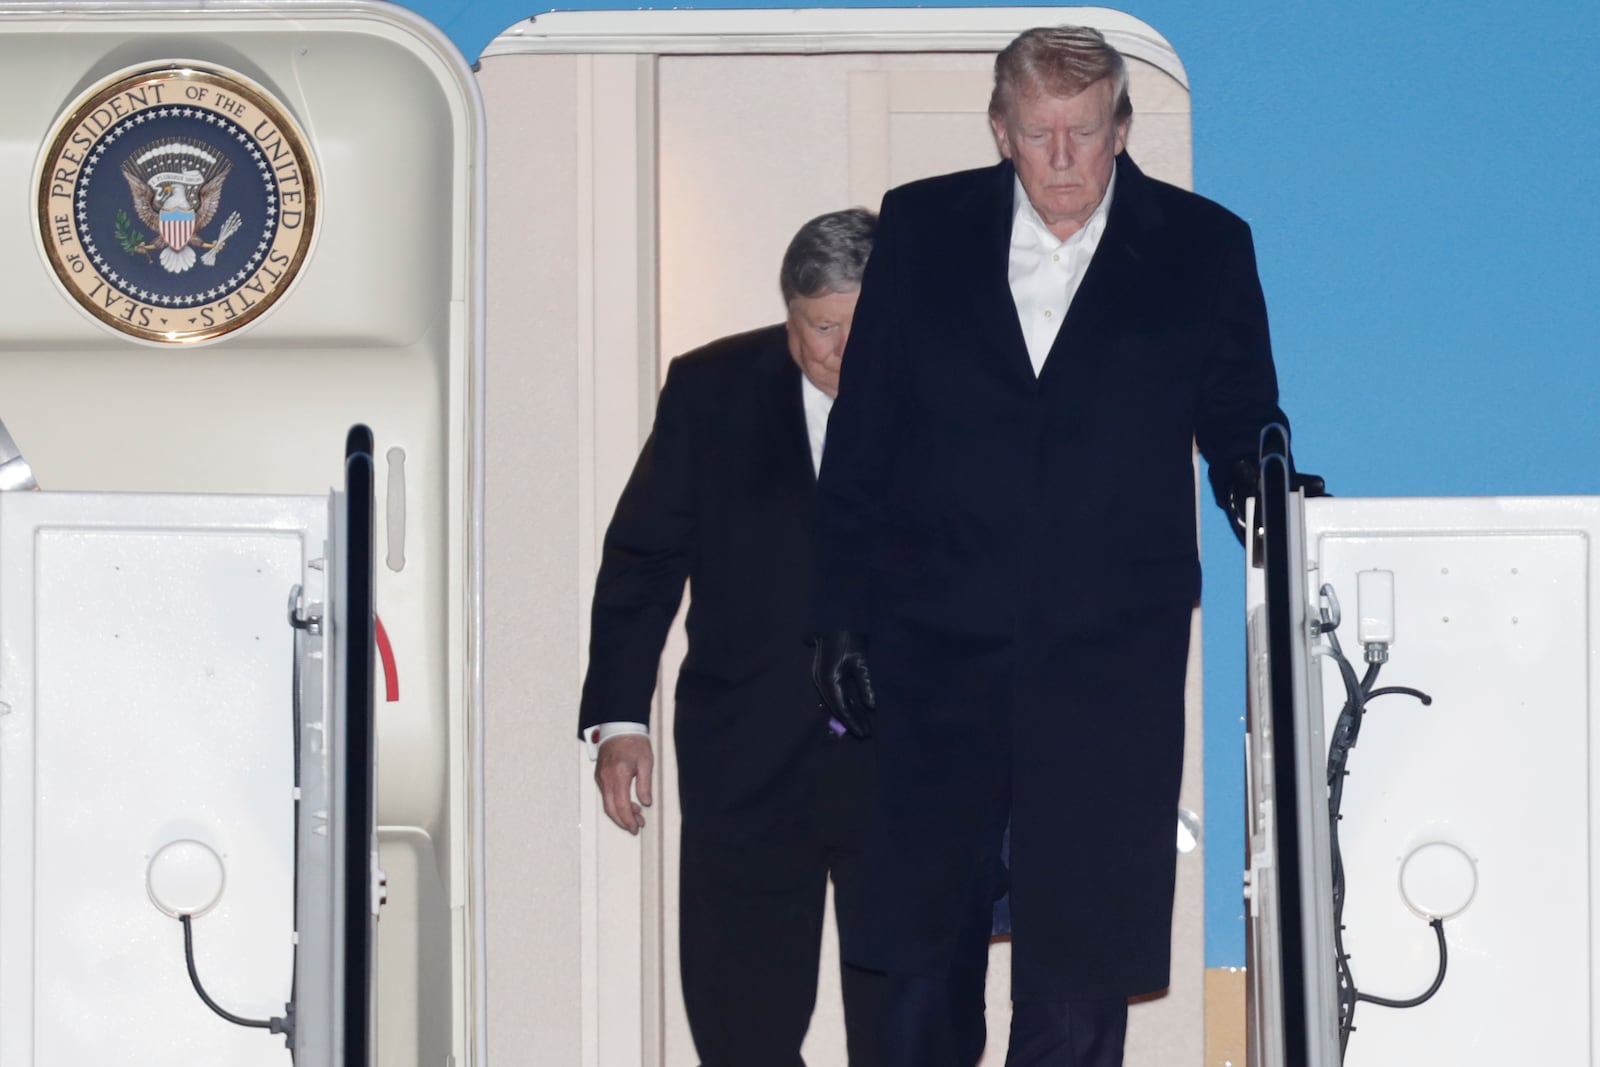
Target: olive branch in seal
128	236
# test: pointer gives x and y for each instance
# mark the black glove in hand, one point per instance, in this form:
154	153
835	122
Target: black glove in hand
1245	480
1310	484
839	671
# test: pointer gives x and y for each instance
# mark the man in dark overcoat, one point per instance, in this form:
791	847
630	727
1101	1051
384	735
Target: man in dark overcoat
1007	559
722	498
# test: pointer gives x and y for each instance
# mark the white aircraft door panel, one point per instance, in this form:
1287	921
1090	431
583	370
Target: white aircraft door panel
1474	807
145	668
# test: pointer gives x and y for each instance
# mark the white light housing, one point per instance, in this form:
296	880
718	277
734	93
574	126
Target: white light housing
1375	607
185	878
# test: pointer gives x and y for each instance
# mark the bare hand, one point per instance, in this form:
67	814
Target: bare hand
625	764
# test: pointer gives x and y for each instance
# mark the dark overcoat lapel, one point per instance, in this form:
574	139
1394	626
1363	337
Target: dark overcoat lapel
992	240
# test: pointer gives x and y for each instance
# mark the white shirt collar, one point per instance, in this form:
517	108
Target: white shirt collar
1028	229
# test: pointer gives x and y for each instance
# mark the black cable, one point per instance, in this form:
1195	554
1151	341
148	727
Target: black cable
1346	731
274	1025
1401	690
1438	979
294	893
294	719
284	1025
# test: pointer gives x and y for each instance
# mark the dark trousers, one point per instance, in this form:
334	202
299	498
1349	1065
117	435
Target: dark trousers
750	932
938	1021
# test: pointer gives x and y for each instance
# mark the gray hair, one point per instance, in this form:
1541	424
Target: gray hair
828	254
1062	61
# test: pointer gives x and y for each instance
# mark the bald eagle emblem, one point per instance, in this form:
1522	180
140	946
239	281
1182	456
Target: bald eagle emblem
177	188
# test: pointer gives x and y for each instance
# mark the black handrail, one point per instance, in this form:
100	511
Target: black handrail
358	595
1274	500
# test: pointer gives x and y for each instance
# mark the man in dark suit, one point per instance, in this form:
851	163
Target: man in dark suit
723	496
1007	537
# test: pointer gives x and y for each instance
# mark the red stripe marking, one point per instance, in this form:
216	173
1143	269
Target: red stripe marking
391	675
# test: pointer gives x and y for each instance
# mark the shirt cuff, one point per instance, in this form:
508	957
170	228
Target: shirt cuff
595	736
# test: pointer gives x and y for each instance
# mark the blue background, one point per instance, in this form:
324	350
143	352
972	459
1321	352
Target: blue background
1421	181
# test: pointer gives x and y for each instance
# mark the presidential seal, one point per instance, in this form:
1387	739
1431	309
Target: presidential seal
177	204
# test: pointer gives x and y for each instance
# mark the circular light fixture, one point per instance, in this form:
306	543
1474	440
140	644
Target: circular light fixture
1438	880
185	878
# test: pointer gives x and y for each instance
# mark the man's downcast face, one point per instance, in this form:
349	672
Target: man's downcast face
1064	149
818	328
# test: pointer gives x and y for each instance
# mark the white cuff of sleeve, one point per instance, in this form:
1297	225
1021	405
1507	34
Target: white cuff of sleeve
595	736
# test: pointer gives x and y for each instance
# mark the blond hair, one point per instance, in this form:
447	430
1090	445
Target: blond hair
1061	61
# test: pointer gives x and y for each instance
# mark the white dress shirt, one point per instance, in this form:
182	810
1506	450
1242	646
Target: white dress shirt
817	406
1045	271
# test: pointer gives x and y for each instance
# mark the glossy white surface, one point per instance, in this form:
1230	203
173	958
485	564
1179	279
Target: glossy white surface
145	656
1483	802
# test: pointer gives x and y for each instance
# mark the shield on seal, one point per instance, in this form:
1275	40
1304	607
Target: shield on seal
176	228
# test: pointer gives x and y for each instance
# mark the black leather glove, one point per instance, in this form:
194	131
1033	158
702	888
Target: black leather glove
1246	479
1309	484
839	671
